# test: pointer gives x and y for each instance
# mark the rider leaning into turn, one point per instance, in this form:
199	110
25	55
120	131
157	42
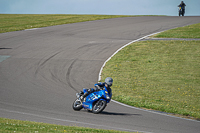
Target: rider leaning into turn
99	86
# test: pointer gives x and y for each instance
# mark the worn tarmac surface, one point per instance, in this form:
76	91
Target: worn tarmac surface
42	69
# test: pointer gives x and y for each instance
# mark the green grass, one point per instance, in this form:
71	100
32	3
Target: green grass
190	31
16	22
17	126
159	75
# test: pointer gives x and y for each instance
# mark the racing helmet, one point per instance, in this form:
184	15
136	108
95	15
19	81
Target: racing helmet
109	81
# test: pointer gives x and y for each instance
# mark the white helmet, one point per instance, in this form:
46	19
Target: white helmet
109	81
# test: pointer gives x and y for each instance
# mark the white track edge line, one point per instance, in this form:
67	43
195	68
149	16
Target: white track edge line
133	106
121	49
153	111
77	122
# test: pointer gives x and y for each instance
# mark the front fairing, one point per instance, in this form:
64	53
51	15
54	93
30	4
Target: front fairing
95	96
90	99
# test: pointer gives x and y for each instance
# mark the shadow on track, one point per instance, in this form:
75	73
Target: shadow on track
114	113
5	48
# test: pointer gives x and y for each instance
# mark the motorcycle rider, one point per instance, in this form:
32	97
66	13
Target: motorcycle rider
182	5
99	86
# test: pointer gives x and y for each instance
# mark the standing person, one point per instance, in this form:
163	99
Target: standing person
182	5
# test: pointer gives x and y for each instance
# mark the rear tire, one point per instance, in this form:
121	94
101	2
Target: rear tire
77	105
99	106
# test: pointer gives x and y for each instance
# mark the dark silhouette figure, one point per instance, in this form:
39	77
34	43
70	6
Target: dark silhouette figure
182	8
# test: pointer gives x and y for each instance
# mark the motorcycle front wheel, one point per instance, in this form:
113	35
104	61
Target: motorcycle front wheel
99	106
77	105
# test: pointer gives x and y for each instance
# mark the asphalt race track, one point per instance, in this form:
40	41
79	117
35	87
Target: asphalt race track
42	69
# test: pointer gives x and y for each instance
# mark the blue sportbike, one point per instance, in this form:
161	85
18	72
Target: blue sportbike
95	102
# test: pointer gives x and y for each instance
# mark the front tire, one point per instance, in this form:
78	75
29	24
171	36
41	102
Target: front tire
99	106
77	105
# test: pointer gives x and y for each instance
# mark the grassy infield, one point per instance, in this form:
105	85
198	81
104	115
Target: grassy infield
160	75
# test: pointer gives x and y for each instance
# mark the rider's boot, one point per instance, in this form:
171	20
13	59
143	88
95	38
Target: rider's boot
81	93
83	96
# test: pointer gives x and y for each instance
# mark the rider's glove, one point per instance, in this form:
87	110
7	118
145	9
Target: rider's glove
97	88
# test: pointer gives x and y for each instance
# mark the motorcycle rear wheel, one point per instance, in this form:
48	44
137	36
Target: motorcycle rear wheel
99	106
77	105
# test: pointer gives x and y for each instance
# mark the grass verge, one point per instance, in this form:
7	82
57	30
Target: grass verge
190	31
17	126
16	22
159	75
